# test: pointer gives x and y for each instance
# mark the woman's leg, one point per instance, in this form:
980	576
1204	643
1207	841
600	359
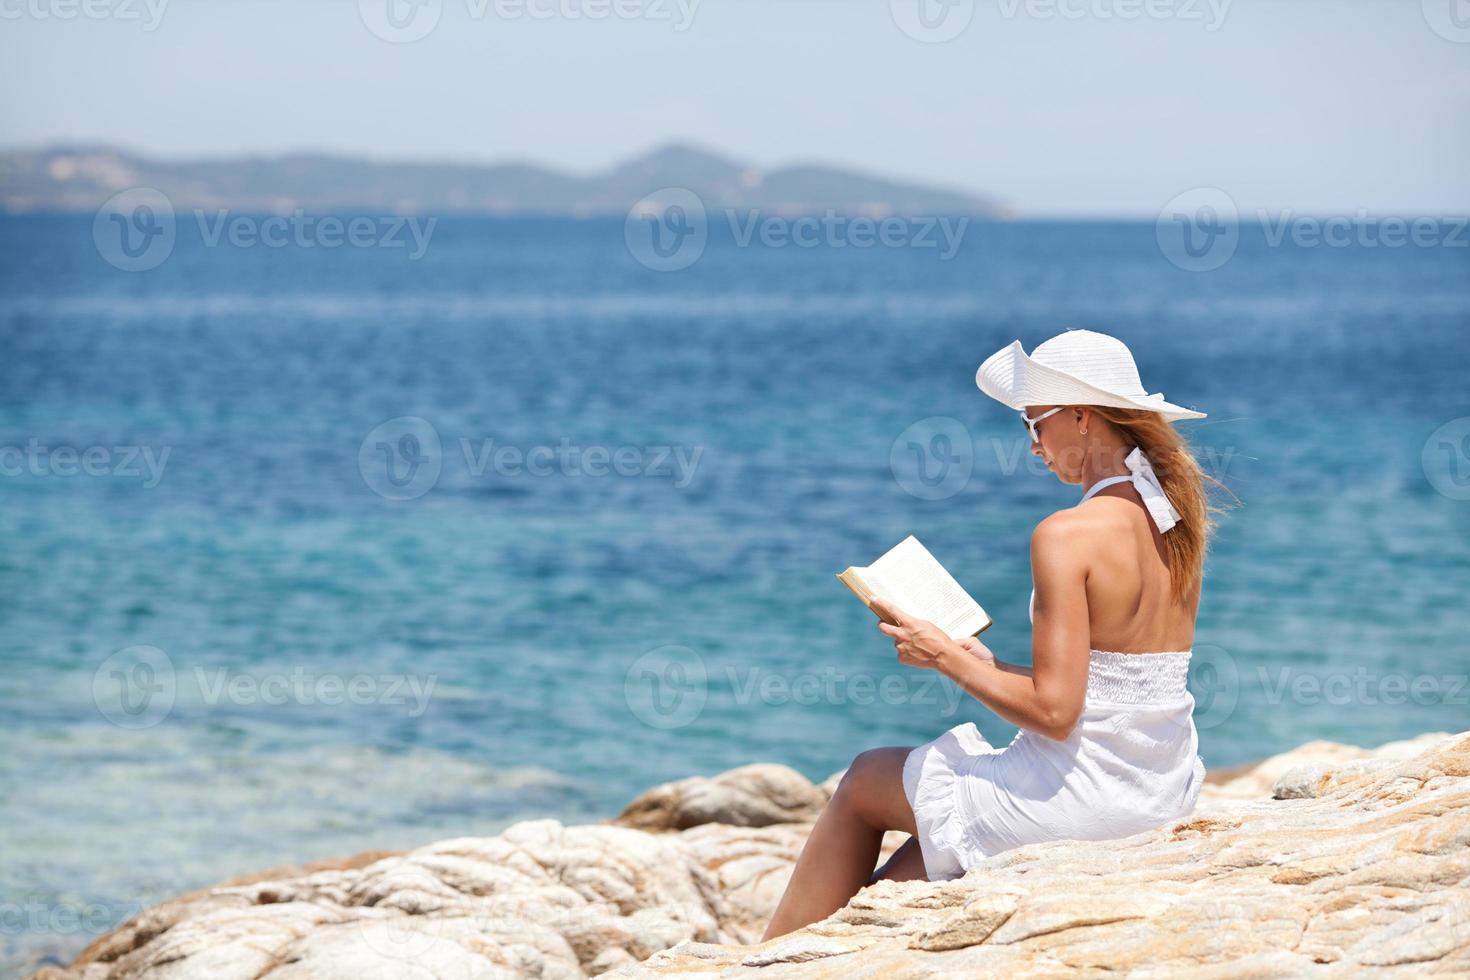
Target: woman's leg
839	855
904	864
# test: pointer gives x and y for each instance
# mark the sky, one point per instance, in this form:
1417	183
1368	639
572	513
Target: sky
1056	107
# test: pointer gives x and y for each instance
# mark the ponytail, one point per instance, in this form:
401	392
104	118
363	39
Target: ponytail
1184	483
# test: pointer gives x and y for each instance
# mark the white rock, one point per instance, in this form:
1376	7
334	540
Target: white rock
1364	869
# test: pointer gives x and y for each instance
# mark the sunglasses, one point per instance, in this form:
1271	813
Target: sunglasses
1031	423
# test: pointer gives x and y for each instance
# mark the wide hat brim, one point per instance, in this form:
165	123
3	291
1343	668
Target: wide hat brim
1013	378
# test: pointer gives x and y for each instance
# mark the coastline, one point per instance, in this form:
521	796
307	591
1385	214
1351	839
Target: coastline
1326	856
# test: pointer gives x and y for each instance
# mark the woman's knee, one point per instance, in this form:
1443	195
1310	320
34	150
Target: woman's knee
871	778
864	767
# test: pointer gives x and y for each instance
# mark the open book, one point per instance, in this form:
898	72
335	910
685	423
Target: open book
914	581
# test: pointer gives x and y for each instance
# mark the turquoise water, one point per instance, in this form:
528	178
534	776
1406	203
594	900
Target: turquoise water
180	632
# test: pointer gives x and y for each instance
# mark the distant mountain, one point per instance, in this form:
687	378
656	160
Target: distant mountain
81	178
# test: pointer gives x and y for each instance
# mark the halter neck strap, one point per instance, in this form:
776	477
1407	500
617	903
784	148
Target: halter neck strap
1107	481
1141	474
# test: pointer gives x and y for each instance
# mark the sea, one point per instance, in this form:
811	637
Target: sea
316	543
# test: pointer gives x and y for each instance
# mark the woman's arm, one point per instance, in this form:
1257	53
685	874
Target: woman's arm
1048	698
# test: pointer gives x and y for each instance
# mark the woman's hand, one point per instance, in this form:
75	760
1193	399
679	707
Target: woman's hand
919	642
978	650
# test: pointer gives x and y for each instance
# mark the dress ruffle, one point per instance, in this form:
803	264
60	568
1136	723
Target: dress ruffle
931	778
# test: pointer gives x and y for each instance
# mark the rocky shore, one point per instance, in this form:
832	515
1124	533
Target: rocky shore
1327	860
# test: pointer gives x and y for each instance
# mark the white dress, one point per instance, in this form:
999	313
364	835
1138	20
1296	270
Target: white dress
1131	764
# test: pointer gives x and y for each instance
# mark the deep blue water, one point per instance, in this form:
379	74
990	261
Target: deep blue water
261	574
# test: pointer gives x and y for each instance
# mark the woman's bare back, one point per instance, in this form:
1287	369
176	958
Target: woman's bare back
1130	599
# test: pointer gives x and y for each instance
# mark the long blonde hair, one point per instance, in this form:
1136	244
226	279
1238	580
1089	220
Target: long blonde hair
1184	483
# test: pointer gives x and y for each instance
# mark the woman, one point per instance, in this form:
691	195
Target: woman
1107	744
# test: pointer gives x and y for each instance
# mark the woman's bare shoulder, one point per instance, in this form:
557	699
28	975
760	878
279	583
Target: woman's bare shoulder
1076	528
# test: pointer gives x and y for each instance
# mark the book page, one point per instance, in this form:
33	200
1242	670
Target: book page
915	581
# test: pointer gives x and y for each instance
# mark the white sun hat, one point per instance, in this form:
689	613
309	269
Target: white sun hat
1078	367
